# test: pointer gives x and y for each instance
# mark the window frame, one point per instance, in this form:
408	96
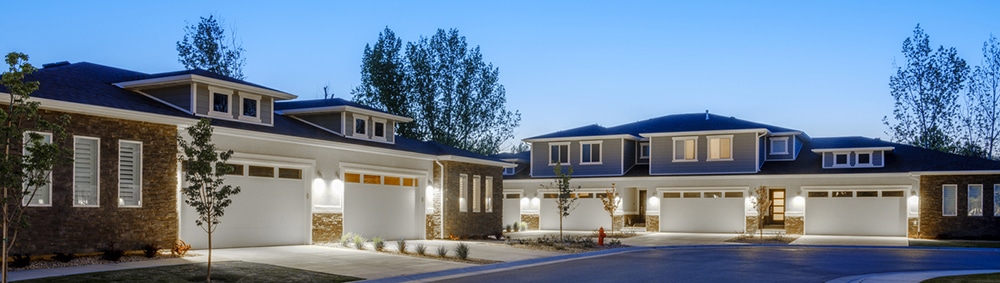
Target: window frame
847	161
48	187
375	132
720	147
560	146
138	174
476	194
996	200
96	169
509	170
364	132
970	205
685	140
488	193
784	149
257	99
463	195
591	145
644	150
212	91
944	200
857	159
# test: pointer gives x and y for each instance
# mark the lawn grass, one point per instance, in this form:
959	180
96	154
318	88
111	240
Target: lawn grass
225	271
974	278
954	243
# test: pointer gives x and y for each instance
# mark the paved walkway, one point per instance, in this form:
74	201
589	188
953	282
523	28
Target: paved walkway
372	265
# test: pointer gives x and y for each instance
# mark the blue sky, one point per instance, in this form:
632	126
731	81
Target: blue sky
822	68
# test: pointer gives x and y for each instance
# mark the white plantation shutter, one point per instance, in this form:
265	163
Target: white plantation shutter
85	169
129	173
43	194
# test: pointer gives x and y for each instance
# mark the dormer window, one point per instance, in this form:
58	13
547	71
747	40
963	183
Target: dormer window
250	107
840	159
864	159
360	126
508	171
219	99
644	150
220	102
779	145
379	129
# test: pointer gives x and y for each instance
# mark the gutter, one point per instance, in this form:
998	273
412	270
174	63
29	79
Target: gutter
441	187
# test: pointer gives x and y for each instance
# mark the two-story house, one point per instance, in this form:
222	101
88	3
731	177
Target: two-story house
309	170
697	172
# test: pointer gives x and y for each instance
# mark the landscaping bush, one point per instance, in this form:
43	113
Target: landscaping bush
20	260
378	243
442	251
64	257
346	238
359	242
150	250
401	244
507	228
180	248
421	249
462	250
112	253
517	226
524	226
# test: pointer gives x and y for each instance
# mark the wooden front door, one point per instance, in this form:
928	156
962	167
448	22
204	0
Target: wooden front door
777	210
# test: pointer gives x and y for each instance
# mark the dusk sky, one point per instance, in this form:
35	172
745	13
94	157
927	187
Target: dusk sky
820	68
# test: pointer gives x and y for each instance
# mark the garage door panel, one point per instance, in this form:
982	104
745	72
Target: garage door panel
705	215
266	212
870	216
588	215
376	210
511	211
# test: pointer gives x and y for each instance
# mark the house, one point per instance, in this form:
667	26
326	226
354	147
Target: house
696	173
309	170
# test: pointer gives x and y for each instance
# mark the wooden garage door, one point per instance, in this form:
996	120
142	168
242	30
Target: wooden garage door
856	212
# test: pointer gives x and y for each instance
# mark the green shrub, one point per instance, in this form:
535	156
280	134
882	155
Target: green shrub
442	251
401	244
346	238
112	253
61	257
524	226
421	249
150	250
20	260
462	251
359	242
378	243
507	228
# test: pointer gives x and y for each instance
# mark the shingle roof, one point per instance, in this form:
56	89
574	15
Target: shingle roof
665	124
92	84
205	73
319	103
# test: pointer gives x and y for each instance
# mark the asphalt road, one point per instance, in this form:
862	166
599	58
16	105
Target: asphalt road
745	264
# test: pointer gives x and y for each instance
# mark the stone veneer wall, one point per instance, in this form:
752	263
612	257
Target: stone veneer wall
913	227
936	226
751	225
64	228
794	225
652	223
327	227
433	220
470	223
619	222
531	220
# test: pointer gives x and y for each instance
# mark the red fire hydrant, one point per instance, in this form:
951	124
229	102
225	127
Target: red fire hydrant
600	236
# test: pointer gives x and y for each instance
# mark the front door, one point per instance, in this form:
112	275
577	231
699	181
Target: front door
777	210
642	206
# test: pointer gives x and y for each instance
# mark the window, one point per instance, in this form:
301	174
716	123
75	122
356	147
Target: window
475	194
864	159
734	194
512	196
550	195
892	194
840	159
559	153
43	194
392	181
237	169
869	194
509	171
720	148
779	145
261	171
462	194
590	153
685	149
129	173
220	102
379	131
360	126
352	177
818	194
975	200
489	194
692	195
713	194
843	194
996	199
251	107
644	150
290	173
372	179
671	195
949	200
86	162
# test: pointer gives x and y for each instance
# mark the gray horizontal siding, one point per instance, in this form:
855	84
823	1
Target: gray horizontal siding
202	100
611	159
631	154
329	121
745	155
179	96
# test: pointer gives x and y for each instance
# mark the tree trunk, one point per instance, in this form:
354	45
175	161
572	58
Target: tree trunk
208	278
560	225
5	224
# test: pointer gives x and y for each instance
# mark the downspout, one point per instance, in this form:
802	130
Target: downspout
441	188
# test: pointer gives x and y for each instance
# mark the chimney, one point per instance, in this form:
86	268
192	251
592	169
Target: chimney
706	115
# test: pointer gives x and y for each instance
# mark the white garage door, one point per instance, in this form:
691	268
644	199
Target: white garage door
271	209
703	212
856	212
511	208
589	214
380	205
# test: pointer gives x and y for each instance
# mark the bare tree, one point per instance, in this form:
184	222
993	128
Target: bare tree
761	203
611	203
565	196
983	98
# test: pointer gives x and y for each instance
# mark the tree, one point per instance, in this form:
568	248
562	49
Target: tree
204	47
926	89
28	159
565	194
520	147
761	203
984	99
611	203
453	96
204	171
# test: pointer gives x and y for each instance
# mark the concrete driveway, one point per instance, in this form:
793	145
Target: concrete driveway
654	239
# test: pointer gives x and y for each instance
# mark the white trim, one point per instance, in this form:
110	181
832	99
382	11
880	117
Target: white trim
354	130
784	151
943	190
856	188
699	133
648	153
600	150
703	189
229	103
674	145
375	121
345	108
676	177
847	162
270	160
138	173
968	203
570	139
24	152
97	170
791	133
463	195
382	170
871	159
560	144
886	148
244	96
475	161
720	137
192	78
966	172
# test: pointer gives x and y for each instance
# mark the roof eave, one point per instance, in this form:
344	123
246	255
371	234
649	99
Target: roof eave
476	161
193	78
840	149
711	132
342	108
574	138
